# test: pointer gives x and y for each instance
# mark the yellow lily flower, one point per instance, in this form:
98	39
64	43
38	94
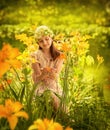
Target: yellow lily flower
100	59
22	37
46	124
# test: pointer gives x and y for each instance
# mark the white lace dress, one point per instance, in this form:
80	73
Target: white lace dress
44	62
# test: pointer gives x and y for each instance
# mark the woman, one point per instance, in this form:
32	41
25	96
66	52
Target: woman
48	64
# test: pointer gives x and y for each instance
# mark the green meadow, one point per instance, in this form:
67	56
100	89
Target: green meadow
82	32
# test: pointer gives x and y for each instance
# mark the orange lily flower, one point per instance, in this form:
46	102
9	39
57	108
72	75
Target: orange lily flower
68	128
65	47
8	58
9	81
62	56
9	52
12	110
47	69
4	67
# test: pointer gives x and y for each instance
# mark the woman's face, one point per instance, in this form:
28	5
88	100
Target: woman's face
45	42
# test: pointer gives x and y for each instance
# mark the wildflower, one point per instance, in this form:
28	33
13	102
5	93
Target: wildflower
23	56
9	81
58	45
62	56
65	47
22	37
75	78
45	124
74	34
32	47
5	67
1	87
12	110
33	27
33	60
83	45
86	37
68	128
47	69
100	59
43	31
59	36
107	87
80	52
29	41
8	59
50	72
8	52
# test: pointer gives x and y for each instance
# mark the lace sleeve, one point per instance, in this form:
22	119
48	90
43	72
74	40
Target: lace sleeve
36	64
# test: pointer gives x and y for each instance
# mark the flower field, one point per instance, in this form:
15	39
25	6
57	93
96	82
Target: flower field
85	77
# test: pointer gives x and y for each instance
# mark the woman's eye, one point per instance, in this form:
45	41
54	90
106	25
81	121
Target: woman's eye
47	38
41	41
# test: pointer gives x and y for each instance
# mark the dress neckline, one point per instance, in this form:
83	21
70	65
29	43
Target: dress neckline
47	58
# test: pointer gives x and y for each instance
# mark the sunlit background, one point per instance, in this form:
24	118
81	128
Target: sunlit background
81	27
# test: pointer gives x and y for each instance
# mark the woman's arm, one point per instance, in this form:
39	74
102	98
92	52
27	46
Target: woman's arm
38	74
36	68
58	65
54	73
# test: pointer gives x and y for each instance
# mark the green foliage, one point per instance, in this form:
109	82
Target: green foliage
84	104
61	17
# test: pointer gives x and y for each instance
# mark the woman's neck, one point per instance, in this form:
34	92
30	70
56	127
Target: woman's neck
46	51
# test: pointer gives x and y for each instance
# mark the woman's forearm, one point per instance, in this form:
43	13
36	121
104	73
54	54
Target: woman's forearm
39	78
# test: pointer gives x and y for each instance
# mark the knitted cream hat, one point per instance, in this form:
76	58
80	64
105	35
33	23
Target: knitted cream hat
43	31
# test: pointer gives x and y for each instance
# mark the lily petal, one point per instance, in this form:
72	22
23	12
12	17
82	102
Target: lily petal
4	67
3	111
17	106
12	122
22	114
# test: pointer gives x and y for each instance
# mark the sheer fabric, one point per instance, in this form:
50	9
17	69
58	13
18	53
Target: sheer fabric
44	62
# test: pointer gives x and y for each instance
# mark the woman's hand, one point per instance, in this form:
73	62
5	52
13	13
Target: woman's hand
49	73
45	75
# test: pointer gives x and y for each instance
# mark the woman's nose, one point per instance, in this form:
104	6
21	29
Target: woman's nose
44	42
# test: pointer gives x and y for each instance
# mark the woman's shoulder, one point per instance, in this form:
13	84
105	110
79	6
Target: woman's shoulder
35	53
